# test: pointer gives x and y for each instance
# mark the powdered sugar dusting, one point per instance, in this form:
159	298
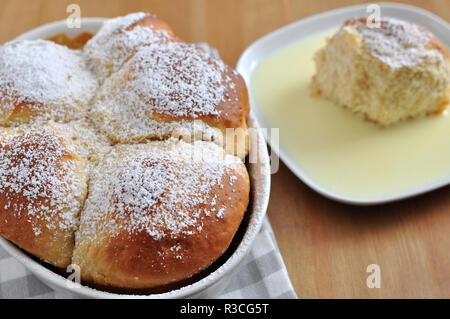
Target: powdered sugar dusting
398	43
163	193
38	181
114	43
177	80
42	74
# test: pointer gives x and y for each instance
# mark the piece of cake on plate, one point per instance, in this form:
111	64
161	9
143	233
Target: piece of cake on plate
386	74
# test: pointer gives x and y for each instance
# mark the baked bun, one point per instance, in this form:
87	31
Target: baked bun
387	74
159	213
43	183
41	80
117	40
149	214
174	89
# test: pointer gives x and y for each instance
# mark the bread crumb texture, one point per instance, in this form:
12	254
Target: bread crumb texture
386	74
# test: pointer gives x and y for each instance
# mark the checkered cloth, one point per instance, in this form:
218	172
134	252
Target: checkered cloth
262	275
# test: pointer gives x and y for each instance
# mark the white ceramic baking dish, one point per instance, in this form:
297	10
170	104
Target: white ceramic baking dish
207	287
304	28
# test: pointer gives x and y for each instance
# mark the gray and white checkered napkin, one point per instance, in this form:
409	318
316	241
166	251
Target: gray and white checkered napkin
262	275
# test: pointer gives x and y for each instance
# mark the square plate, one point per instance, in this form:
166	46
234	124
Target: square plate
304	28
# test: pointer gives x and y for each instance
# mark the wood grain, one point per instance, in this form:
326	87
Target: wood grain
326	246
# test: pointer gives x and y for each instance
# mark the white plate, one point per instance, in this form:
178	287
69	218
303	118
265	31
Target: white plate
207	287
304	28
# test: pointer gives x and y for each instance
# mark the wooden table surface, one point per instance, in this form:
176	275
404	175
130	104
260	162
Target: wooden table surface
326	246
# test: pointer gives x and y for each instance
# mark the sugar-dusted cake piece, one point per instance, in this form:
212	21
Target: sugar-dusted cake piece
387	74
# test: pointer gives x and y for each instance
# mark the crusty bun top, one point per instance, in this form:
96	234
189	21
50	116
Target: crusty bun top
43	80
159	213
118	38
177	81
156	86
163	88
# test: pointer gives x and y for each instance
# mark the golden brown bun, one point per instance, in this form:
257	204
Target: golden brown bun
155	216
41	81
386	74
166	90
119	38
43	183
